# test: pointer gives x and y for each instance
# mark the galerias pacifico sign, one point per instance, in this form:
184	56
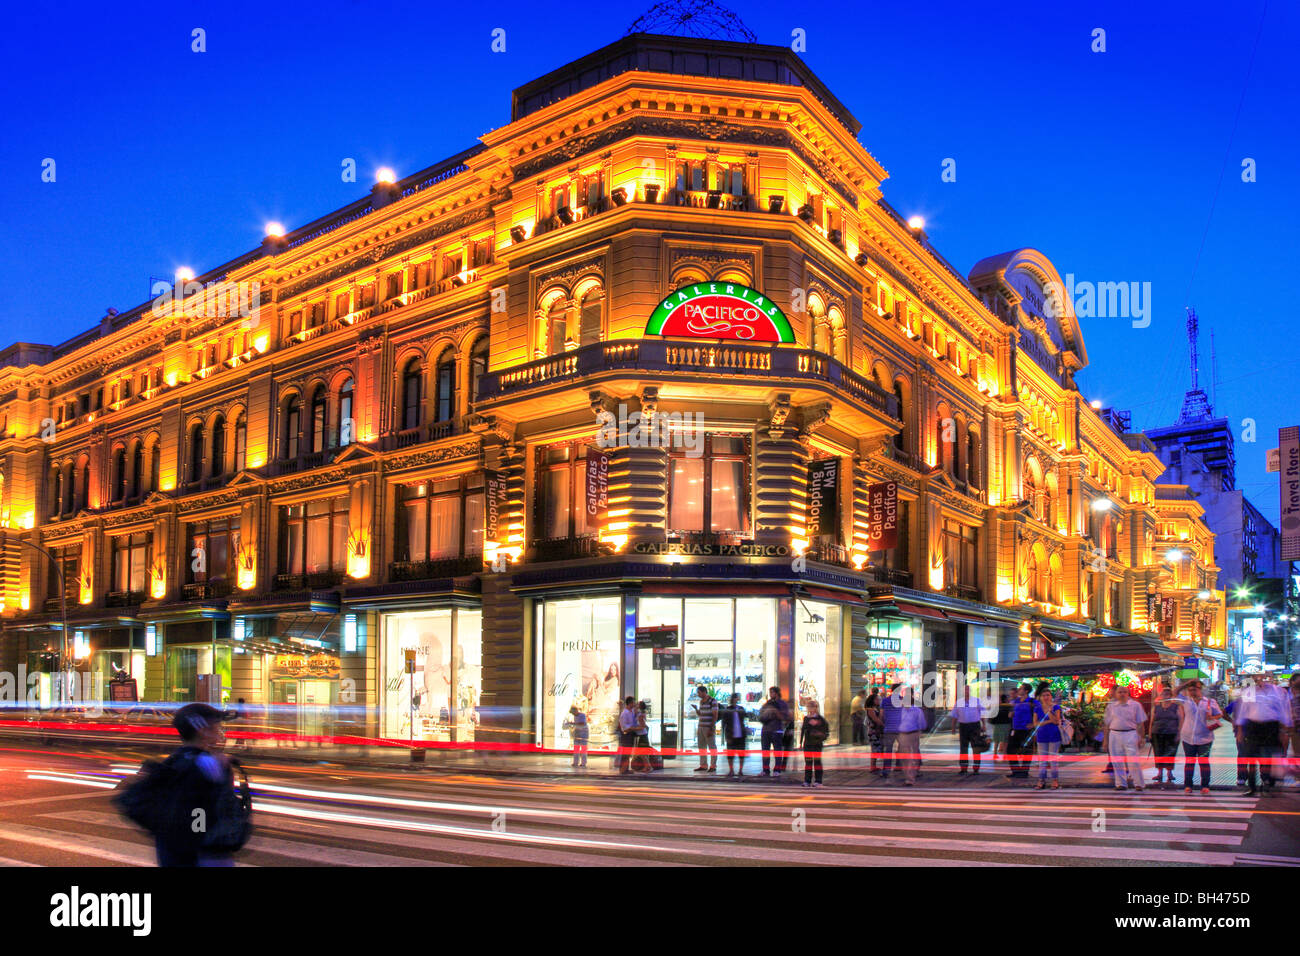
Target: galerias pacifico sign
720	310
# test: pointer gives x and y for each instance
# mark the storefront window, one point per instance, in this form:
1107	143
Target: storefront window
440	700
893	654
581	663
818	632
186	664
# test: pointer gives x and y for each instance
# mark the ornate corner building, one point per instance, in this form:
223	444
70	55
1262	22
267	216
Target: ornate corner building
656	353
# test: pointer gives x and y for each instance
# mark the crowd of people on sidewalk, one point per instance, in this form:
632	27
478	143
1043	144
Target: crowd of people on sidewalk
1026	731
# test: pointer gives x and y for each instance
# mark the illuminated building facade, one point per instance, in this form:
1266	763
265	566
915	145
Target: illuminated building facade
655	354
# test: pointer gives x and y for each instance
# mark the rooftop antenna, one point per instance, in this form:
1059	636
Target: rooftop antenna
1196	407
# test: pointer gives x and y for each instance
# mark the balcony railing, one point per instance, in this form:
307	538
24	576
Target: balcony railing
568	549
710	199
429	431
964	592
892	576
736	359
123	598
316	580
304	462
436	568
829	554
205	590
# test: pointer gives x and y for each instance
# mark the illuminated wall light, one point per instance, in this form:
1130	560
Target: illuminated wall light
261	342
86	590
274	230
350	634
151	640
25	601
359	554
916	223
184	274
80	645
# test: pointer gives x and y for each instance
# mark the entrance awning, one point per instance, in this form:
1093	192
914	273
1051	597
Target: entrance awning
1078	665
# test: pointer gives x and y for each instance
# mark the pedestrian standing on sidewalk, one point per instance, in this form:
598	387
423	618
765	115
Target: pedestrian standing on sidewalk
968	715
858	716
706	713
1022	728
732	718
911	722
1123	726
773	715
1200	716
875	728
1047	731
1001	723
891	713
1166	719
626	734
577	725
1263	718
812	736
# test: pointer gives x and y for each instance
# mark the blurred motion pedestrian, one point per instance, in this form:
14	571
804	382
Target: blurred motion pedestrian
577	726
812	737
1163	727
1124	726
732	719
774	715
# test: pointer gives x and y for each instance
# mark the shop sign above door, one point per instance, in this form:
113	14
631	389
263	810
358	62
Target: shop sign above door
720	310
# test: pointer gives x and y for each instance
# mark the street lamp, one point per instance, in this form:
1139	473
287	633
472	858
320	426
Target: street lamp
63	607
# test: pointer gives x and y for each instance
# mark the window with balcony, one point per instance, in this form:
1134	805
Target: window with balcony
478	362
130	556
961	553
290	428
342	304
439	519
365	296
896	559
119	474
445	387
218	454
710	493
973	459
393	284
319	420
412	395
67	561
346	427
314	537
241	442
195	472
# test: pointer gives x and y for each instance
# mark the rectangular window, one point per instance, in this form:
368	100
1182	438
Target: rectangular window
710	492
212	547
342	304
394	280
561	487
366	296
440	519
130	562
313	537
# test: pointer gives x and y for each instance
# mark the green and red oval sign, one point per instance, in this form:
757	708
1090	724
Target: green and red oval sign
720	310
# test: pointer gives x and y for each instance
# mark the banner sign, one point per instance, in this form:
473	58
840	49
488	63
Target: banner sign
304	665
720	310
1154	607
1288	440
597	490
494	494
824	498
882	516
747	550
1168	611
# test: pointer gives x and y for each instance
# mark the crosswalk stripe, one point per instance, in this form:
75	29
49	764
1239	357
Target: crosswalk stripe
79	844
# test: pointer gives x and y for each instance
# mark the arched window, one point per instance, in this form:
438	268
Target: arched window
319	419
589	323
291	428
83	484
818	325
557	326
412	395
119	474
445	387
218	464
946	440
478	360
973	458
1029	487
839	341
241	442
900	436
56	492
196	452
1049	500
347	427
155	464
137	469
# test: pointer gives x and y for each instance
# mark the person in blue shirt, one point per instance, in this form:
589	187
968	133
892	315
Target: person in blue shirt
1022	728
891	714
1047	724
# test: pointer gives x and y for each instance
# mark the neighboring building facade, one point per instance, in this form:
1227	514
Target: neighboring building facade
656	353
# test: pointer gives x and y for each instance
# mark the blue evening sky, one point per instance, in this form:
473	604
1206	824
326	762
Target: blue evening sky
1109	163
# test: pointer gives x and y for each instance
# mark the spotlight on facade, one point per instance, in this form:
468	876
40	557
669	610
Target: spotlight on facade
274	230
619	196
651	192
518	234
1173	554
775	203
860	258
1205	595
565	215
1102	504
386	176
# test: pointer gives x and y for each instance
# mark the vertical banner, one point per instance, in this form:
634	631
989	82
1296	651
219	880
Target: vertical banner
1288	440
1154	608
1169	613
494	495
823	517
597	491
882	516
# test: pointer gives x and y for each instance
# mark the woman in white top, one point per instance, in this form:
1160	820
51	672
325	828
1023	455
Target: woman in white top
1123	728
1201	717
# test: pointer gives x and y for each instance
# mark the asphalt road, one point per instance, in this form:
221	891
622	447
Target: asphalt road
55	810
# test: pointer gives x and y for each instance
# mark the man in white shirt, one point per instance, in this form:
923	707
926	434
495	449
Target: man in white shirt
626	734
968	715
1263	719
1123	728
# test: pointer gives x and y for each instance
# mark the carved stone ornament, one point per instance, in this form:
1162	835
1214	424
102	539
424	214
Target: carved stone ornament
778	411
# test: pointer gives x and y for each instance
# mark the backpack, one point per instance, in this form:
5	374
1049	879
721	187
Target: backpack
151	800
